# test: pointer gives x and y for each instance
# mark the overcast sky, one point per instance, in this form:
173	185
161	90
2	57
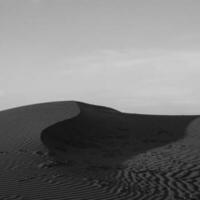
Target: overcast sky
134	55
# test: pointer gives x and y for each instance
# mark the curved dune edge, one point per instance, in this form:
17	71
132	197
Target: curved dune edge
103	136
167	171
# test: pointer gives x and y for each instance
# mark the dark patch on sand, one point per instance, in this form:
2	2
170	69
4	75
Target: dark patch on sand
103	135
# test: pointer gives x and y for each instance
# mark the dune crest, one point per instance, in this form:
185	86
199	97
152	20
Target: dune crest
101	135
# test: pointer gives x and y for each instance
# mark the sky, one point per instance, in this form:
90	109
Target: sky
138	56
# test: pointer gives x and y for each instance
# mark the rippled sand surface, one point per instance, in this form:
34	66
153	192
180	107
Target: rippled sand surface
165	167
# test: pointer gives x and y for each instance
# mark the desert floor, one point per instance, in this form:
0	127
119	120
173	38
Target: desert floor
115	155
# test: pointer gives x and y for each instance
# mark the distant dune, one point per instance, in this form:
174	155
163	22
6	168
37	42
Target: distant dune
74	150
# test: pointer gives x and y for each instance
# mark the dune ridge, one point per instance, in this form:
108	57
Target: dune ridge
110	135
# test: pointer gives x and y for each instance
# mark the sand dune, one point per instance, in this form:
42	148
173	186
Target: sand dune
97	153
100	134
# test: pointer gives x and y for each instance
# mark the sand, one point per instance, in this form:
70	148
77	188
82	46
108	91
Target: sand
72	150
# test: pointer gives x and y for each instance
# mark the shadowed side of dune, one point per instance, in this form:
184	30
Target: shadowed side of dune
103	135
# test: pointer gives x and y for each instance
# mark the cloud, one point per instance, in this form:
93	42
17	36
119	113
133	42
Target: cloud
189	37
2	93
151	81
36	1
142	77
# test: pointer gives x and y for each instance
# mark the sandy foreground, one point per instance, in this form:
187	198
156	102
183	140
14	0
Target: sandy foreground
97	153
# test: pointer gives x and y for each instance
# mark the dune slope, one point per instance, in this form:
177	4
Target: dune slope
100	134
98	153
